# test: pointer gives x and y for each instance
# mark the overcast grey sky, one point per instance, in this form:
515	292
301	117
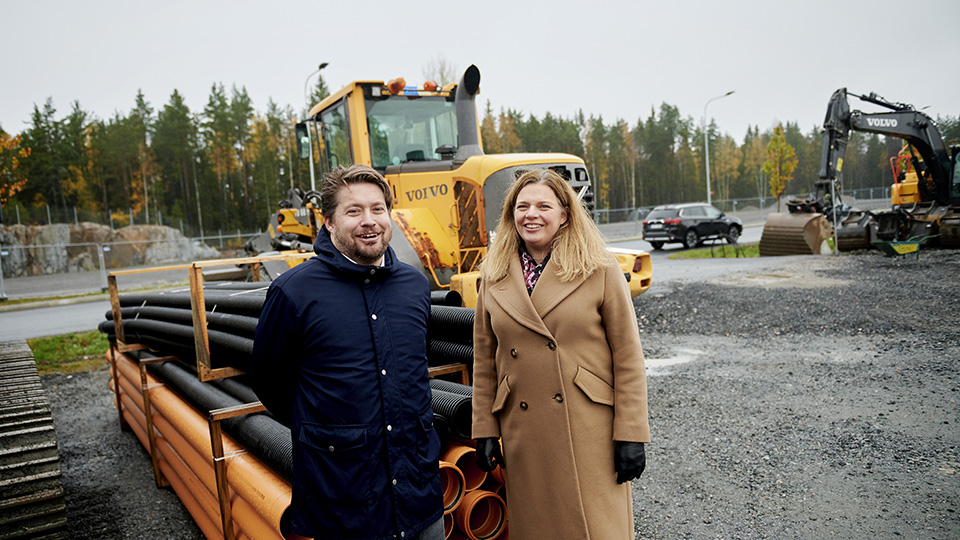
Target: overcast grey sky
783	58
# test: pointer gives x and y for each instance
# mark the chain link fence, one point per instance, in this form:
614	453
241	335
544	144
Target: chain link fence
61	268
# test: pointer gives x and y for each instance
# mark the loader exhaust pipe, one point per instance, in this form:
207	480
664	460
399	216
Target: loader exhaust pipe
468	131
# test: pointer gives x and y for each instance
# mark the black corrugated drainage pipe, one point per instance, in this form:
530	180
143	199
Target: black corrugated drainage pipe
449	323
260	434
457	409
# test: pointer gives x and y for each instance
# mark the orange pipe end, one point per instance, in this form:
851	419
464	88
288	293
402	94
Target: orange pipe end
447	525
465	458
481	515
453	486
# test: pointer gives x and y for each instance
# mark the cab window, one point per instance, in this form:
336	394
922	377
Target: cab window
335	136
404	129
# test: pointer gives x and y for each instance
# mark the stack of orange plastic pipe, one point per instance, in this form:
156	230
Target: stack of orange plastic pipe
258	496
474	506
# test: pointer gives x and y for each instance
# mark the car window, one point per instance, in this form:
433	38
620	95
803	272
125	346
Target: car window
712	212
693	211
663	213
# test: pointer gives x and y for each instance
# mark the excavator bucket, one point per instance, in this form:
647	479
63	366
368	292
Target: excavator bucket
795	234
950	228
856	231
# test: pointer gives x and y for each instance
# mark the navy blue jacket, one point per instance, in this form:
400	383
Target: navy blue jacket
340	356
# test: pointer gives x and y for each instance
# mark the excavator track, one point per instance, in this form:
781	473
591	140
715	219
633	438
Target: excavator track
32	505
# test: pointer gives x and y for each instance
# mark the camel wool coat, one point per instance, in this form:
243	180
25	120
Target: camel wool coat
559	376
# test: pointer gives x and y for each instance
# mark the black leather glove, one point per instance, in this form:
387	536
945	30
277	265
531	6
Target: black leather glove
629	460
489	454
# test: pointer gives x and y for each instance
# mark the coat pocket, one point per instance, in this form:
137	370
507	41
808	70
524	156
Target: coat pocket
594	387
336	462
503	392
428	448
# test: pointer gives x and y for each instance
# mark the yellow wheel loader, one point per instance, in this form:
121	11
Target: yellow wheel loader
447	193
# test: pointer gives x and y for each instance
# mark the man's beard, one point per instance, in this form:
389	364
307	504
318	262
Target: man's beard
350	245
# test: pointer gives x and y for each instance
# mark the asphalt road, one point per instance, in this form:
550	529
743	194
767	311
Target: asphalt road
84	314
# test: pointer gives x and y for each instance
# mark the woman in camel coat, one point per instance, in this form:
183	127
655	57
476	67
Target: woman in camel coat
558	369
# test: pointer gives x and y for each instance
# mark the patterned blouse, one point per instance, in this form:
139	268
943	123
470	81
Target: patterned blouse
531	270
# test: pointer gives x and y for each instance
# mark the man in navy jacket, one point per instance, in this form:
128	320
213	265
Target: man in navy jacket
340	356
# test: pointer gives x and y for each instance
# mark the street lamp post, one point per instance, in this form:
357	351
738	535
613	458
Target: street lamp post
306	98
706	141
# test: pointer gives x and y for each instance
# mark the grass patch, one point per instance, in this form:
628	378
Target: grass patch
720	251
70	353
32	300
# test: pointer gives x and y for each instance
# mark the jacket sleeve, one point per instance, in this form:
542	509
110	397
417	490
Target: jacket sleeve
485	423
630	421
276	353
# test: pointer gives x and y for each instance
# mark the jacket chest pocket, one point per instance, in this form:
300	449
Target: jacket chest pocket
337	461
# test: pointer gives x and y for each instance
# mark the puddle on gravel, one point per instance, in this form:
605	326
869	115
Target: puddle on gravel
657	366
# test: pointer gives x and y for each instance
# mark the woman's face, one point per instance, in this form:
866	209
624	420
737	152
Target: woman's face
538	216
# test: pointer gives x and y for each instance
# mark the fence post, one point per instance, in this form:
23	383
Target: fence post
3	294
49	221
76	221
111	219
103	269
131	215
220	235
18	214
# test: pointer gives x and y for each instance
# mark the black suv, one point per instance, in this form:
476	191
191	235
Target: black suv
689	224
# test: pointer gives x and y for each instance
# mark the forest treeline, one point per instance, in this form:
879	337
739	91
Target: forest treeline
228	165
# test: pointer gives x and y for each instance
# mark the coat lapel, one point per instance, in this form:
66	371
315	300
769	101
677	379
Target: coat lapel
550	291
511	294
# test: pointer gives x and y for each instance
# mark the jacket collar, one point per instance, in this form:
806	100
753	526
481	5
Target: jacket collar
329	254
529	310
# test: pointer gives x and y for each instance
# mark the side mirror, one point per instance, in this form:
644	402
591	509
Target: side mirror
303	140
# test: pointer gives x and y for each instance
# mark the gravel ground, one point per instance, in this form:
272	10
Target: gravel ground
817	400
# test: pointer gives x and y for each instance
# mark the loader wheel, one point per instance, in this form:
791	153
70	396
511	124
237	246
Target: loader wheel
657	245
733	234
690	239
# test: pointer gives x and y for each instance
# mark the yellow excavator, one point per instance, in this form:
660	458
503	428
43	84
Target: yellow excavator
925	197
448	193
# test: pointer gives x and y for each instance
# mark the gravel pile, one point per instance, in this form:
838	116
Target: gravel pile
817	400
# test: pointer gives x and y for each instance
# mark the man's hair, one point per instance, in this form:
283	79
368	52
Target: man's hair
342	177
578	247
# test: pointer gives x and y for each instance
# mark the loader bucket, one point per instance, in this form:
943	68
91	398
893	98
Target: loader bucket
795	234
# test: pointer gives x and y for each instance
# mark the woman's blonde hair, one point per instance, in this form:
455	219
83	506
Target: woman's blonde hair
578	248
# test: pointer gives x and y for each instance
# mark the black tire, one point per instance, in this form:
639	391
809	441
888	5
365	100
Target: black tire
690	239
657	245
733	234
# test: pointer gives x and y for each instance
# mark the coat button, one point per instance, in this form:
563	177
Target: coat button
523	405
513	353
558	398
552	345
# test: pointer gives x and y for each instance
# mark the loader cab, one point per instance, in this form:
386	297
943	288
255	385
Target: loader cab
386	125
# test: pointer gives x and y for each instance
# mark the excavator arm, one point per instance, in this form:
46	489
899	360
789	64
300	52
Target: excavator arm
902	121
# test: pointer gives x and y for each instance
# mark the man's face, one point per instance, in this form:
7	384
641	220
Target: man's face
360	226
